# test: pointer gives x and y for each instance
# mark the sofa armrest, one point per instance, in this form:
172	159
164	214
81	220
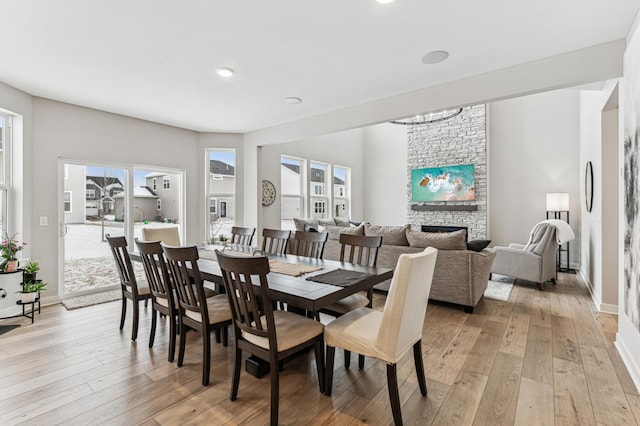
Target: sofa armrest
480	264
517	263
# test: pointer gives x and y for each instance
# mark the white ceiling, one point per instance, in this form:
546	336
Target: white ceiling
156	59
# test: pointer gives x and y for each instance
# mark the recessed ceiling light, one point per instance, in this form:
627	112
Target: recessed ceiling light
384	1
292	100
225	72
435	57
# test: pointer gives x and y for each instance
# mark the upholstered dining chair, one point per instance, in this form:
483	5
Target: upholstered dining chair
388	335
309	244
261	331
196	311
360	250
132	289
242	236
170	235
275	241
164	301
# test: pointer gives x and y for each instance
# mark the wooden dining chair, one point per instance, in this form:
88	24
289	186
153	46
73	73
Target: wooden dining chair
242	236
196	312
261	331
274	241
309	244
359	250
390	334
132	289
164	301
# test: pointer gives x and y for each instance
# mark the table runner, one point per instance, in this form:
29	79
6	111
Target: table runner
339	277
293	269
211	254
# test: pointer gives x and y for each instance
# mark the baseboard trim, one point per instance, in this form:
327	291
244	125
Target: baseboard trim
629	361
609	309
601	307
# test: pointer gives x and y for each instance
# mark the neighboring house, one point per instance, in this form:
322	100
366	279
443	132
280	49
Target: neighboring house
166	187
145	205
100	191
291	200
75	194
222	184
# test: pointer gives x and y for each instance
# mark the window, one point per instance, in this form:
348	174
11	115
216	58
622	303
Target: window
292	179
154	184
91	194
5	148
341	180
221	191
66	172
67	201
318	175
158	204
166	182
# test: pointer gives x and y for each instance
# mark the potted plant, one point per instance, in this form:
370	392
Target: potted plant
9	249
30	291
30	271
223	239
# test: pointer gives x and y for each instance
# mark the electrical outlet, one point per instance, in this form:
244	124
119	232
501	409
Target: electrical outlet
44	221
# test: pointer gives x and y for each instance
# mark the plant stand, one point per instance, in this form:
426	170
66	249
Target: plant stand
29	313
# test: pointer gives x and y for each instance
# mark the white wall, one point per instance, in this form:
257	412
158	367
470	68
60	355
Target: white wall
340	149
533	146
385	174
66	131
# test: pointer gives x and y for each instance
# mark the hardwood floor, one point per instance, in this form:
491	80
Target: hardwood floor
541	358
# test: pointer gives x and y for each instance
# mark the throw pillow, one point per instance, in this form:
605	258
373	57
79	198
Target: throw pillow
478	245
439	240
327	222
335	231
342	221
308	228
391	235
300	223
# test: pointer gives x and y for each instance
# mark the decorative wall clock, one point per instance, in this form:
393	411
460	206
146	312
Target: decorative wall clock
268	193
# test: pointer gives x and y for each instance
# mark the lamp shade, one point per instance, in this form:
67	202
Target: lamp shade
558	202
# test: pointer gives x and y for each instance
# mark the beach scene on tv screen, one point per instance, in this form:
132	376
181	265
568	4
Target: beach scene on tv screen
446	183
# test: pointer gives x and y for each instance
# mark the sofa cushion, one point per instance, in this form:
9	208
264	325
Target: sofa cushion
300	223
342	221
439	240
478	245
391	235
327	222
335	231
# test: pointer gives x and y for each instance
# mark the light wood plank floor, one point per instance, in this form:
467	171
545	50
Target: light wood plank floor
540	358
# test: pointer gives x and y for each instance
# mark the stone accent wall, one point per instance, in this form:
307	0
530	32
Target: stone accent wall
459	140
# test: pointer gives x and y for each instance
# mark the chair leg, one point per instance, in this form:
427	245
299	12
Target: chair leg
360	361
206	356
328	381
235	383
124	312
347	359
172	338
319	349
136	316
540	287
394	395
152	337
275	391
183	343
217	333
225	336
417	357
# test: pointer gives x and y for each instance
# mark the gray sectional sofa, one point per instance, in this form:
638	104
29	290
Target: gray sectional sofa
460	276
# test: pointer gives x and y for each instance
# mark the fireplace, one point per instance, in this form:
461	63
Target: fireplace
439	228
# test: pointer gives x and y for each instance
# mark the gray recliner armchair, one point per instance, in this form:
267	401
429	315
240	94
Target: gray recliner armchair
534	261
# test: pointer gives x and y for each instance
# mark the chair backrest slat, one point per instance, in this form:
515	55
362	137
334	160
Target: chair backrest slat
241	276
310	244
242	236
120	253
359	249
275	241
186	279
156	271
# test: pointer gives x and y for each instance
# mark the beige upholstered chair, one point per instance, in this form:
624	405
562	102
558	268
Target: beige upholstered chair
132	289
534	261
170	235
261	331
389	334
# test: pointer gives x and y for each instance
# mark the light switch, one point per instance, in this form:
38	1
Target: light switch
44	220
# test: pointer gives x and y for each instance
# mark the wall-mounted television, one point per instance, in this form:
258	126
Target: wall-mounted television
445	183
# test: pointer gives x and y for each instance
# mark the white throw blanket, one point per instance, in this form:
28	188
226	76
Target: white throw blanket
564	233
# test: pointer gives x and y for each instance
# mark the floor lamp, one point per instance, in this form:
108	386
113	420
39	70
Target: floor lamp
558	203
